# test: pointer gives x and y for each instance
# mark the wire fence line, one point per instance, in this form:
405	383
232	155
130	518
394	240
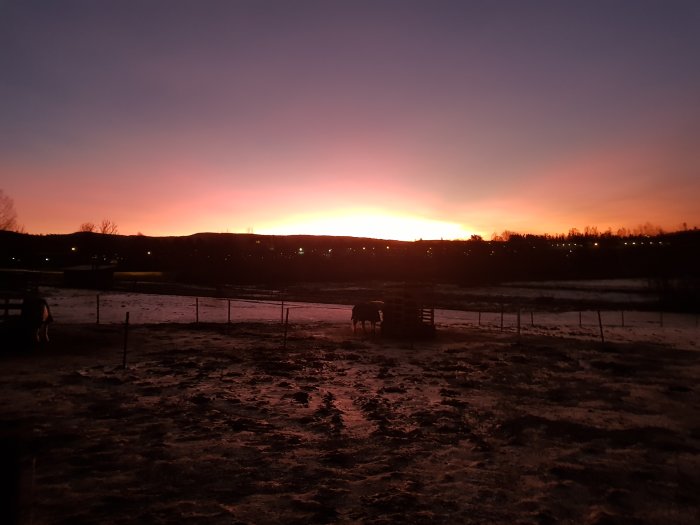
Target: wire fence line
676	330
532	318
106	308
84	307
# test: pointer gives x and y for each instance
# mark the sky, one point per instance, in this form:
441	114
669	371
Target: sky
393	119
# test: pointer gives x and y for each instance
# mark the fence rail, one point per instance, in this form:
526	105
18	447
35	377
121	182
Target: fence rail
105	308
150	308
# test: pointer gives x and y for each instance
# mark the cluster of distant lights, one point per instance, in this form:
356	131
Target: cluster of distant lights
73	249
301	251
633	243
429	251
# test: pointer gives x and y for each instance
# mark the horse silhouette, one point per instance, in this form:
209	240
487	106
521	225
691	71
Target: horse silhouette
35	317
366	312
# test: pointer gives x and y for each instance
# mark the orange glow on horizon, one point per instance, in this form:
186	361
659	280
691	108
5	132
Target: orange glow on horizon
376	225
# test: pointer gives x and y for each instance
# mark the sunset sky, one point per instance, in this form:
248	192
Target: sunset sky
393	119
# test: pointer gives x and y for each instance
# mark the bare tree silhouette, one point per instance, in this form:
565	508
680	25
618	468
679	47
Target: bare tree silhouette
108	227
8	215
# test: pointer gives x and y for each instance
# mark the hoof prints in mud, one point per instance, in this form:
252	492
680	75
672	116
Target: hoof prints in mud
517	429
233	429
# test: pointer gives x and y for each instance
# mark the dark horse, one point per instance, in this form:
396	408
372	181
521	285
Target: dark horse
35	318
368	311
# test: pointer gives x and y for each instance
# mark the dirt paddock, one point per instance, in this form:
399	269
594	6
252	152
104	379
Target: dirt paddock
220	424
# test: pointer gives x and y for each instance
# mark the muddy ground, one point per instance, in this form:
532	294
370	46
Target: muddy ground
221	424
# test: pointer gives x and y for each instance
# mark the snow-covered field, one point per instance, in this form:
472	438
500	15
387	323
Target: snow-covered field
71	306
603	291
218	423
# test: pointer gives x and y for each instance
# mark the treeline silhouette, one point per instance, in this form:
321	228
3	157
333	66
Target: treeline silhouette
248	258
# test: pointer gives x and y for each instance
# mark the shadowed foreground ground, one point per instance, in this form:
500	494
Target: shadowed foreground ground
217	425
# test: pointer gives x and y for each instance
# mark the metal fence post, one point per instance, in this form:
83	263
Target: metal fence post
286	326
126	338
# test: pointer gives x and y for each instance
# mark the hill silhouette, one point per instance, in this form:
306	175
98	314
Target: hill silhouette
221	258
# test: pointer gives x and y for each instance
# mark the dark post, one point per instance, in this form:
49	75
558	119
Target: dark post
479	317
282	310
622	318
518	325
501	317
126	338
600	324
532	318
580	319
196	310
97	307
286	325
229	311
